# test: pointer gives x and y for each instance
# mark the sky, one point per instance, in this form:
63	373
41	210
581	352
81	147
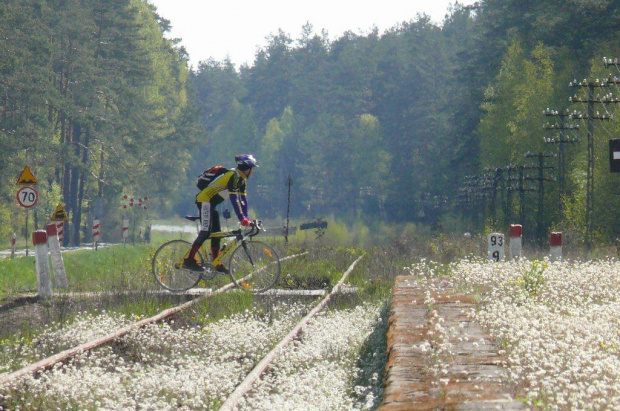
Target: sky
234	29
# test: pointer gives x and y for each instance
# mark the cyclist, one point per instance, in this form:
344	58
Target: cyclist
231	183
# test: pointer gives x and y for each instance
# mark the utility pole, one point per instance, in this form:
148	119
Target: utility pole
493	182
591	100
472	195
288	208
522	189
541	191
510	169
561	140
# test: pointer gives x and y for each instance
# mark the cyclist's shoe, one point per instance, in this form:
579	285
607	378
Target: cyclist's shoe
221	269
191	264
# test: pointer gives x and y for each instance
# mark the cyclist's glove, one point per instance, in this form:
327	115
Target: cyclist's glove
246	222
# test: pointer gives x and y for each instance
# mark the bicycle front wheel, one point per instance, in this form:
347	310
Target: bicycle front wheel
167	266
254	266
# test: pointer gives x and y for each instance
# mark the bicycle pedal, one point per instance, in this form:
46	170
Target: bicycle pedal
221	269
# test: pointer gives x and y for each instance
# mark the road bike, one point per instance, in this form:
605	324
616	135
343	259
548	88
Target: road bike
253	265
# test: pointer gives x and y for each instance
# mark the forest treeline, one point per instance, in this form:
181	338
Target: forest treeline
422	123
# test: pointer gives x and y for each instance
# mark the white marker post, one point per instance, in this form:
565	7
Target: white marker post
556	246
516	234
44	284
13	241
60	228
125	229
60	276
96	232
496	247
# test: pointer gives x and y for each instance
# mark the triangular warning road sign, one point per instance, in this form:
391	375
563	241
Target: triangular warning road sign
59	214
27	177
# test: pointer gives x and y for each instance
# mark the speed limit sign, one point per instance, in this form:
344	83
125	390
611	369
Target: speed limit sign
27	197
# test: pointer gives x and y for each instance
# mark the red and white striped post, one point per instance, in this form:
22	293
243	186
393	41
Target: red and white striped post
125	229
516	235
44	284
556	246
60	276
96	232
60	228
13	241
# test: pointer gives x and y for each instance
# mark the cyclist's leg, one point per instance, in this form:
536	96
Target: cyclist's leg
205	209
216	242
216	228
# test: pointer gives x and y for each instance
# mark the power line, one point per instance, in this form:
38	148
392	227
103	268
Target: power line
561	140
591	99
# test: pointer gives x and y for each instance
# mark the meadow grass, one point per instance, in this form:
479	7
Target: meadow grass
119	267
121	275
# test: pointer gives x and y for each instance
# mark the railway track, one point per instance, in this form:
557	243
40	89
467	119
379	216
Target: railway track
246	385
66	355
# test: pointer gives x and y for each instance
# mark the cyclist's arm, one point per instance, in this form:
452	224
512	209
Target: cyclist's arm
238	198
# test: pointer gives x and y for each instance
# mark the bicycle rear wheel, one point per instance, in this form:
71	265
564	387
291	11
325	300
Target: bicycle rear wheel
167	263
254	266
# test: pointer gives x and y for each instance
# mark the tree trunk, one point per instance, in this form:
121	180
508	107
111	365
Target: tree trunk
73	188
83	174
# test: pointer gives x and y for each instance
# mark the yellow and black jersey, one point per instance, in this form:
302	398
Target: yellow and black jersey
231	182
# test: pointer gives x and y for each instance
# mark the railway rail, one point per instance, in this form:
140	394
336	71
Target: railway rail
246	385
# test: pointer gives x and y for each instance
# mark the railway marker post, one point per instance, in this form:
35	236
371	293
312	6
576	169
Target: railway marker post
496	247
516	234
44	284
53	242
556	246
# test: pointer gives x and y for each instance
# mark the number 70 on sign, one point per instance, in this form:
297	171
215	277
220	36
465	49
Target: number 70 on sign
27	197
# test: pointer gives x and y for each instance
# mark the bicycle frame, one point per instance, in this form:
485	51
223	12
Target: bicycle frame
231	245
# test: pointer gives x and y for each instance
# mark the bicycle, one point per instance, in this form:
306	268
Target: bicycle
253	265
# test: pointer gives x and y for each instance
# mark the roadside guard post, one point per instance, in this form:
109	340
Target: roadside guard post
13	241
516	234
96	232
44	285
556	246
60	276
496	247
125	229
614	155
60	228
59	217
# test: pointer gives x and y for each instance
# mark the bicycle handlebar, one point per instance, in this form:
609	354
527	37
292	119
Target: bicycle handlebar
255	228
